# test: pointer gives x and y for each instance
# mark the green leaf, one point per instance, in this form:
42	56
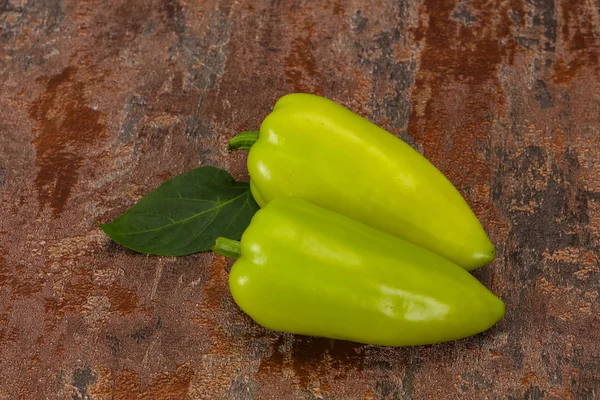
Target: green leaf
186	214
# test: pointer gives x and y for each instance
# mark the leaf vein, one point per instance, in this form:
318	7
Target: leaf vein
221	205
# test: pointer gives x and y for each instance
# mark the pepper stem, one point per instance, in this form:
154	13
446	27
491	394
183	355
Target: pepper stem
227	247
244	140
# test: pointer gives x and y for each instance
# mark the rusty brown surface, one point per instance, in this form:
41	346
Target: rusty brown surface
102	100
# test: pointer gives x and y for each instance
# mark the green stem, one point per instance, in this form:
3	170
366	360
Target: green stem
244	140
227	247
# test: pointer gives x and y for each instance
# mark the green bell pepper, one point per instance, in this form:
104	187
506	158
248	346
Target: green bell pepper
312	148
306	270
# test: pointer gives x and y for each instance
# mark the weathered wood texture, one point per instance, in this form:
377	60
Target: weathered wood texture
102	100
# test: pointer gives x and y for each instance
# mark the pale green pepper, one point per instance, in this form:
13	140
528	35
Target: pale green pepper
312	148
307	270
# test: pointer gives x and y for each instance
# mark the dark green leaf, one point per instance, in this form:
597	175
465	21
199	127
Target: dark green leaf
186	214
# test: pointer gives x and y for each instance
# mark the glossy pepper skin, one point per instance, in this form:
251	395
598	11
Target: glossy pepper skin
313	148
307	270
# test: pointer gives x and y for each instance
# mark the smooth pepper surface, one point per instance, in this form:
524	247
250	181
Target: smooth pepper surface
307	270
313	148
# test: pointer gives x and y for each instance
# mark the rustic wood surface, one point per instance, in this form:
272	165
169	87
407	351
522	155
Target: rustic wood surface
102	100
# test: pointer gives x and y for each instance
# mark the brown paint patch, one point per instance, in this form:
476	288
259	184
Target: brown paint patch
74	296
66	125
560	393
369	395
300	65
327	355
312	359
275	362
517	7
217	286
7	334
528	378
215	291
122	299
117	29
35	360
587	261
18	280
549	287
456	88
165	386
61	346
77	289
103	387
338	7
579	40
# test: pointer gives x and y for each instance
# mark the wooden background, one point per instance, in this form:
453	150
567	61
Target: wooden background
102	100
